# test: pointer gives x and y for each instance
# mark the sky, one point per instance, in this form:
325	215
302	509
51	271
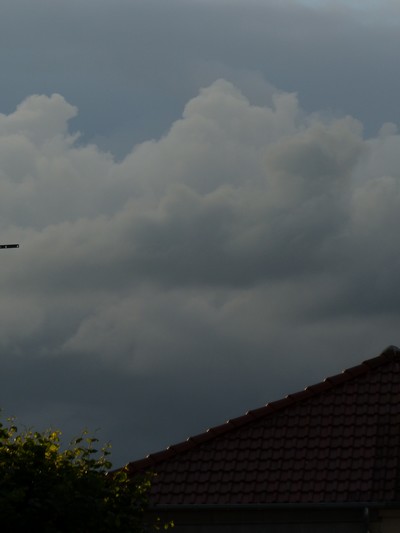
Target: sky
207	200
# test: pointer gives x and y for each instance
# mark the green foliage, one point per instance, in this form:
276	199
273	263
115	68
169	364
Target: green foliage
49	490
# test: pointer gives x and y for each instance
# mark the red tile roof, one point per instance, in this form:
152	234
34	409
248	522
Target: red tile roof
334	442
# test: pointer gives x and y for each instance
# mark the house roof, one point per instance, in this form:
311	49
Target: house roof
335	442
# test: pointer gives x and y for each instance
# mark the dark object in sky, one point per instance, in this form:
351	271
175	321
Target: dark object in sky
9	245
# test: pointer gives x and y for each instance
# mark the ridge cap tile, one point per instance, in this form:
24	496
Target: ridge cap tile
318	387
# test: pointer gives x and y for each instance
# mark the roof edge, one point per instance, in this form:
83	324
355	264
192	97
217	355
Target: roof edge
389	354
287	505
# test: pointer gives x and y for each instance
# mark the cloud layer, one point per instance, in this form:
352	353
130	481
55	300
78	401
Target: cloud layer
249	243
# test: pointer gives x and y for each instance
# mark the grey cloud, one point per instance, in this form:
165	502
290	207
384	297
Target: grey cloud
42	167
240	246
233	194
220	199
114	64
38	118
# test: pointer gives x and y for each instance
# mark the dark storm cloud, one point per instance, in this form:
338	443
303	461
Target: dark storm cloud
196	251
235	194
246	248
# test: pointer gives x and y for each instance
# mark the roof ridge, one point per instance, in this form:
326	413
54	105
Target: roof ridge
389	354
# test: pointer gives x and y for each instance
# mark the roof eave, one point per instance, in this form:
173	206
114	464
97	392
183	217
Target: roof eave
149	463
266	506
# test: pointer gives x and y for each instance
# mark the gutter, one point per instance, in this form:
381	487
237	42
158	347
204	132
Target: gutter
366	506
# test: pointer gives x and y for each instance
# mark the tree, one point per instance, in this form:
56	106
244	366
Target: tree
46	489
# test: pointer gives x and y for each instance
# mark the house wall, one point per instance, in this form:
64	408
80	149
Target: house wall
267	521
387	522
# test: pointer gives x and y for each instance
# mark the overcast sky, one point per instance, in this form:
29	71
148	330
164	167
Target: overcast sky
207	198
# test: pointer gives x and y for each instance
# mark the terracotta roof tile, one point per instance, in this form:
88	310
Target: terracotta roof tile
336	441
